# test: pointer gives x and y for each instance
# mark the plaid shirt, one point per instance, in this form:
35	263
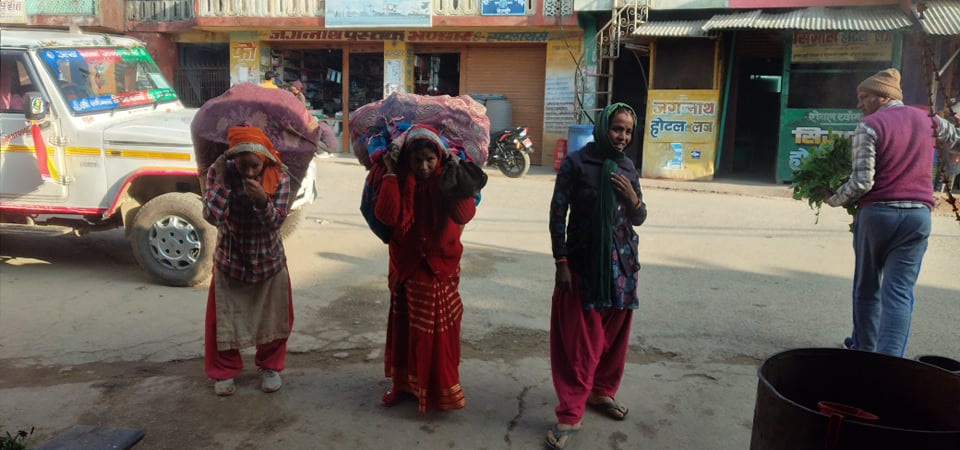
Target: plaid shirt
249	248
864	154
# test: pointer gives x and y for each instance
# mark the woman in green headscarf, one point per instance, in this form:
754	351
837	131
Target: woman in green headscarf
595	251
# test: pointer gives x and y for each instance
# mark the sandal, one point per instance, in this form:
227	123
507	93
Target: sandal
391	397
611	409
559	434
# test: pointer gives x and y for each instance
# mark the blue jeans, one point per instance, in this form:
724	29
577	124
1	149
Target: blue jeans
889	244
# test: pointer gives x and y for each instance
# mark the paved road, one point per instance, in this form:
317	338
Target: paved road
728	279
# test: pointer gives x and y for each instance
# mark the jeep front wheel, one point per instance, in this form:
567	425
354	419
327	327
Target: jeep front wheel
171	240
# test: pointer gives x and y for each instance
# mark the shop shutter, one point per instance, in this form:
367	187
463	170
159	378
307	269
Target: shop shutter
760	44
518	73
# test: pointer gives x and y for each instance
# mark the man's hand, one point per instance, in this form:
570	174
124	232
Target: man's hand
255	191
564	281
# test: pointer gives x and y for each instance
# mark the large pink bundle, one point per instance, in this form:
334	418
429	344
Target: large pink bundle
461	120
293	131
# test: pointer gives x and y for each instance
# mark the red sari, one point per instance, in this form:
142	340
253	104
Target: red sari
422	354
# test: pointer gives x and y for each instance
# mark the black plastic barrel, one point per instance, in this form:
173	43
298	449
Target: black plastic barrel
917	405
948	364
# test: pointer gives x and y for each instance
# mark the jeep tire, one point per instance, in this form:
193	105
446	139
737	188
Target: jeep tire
172	241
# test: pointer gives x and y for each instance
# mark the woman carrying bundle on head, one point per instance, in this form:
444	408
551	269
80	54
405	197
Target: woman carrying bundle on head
422	355
250	302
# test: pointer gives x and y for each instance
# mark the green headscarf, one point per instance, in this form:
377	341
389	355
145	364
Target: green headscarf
607	201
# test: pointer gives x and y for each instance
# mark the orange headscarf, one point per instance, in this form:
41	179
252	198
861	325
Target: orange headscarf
271	158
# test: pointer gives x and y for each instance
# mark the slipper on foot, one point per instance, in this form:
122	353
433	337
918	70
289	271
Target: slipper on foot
557	435
611	409
392	397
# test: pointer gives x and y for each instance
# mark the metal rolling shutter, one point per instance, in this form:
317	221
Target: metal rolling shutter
516	72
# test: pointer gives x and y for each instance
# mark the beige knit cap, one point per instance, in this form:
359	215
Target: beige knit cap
886	83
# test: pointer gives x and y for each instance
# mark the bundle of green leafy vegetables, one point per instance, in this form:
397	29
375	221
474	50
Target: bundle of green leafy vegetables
822	172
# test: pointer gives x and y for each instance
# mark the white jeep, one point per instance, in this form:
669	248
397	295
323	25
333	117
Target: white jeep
116	144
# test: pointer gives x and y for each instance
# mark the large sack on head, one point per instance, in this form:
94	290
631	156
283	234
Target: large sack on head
460	120
292	130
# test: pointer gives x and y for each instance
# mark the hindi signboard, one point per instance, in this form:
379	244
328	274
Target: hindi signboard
13	11
802	131
503	8
833	46
680	136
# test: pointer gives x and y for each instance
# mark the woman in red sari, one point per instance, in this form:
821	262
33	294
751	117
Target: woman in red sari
422	354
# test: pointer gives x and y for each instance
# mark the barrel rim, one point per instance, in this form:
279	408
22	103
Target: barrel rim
786	353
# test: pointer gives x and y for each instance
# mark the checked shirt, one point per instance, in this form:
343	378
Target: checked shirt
249	248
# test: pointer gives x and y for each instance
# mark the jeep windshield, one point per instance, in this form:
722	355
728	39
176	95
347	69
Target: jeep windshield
104	78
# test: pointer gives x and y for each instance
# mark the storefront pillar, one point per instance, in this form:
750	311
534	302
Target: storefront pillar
345	93
559	93
397	67
248	57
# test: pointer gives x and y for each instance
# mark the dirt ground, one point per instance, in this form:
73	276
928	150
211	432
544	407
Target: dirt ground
731	275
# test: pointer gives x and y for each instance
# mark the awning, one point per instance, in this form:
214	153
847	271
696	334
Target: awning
817	18
672	28
942	17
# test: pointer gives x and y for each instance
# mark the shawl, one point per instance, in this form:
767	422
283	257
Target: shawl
607	200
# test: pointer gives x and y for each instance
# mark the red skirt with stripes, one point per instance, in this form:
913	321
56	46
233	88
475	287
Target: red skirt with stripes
422	355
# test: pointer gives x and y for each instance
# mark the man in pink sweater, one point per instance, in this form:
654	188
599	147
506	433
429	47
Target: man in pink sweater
893	152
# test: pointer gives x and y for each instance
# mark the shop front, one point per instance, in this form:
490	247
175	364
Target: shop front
680	132
821	72
343	69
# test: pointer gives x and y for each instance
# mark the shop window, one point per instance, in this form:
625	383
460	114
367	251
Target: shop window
683	64
366	78
320	71
828	85
437	74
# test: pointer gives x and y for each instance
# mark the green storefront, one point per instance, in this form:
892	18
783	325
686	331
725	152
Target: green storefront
821	71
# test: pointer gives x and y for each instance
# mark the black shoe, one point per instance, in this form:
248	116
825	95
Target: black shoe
848	343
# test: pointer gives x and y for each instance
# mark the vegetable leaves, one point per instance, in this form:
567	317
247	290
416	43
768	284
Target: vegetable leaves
823	172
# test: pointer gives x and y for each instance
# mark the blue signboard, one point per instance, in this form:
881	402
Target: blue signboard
504	8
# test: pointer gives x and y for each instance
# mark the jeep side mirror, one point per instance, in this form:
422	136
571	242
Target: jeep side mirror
35	107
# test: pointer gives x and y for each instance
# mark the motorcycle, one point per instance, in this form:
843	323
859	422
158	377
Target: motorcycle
510	152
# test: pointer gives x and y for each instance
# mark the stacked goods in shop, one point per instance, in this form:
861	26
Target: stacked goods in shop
292	130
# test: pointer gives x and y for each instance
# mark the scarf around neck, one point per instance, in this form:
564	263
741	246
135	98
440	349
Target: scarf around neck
607	200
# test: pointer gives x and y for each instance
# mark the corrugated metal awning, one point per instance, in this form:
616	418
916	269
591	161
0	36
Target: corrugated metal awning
942	17
745	19
672	28
818	19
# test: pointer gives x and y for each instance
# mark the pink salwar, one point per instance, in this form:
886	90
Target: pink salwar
588	351
221	365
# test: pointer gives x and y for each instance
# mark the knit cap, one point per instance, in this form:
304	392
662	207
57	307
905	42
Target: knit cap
885	83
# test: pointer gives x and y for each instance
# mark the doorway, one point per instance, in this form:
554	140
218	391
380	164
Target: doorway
436	74
756	119
630	86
